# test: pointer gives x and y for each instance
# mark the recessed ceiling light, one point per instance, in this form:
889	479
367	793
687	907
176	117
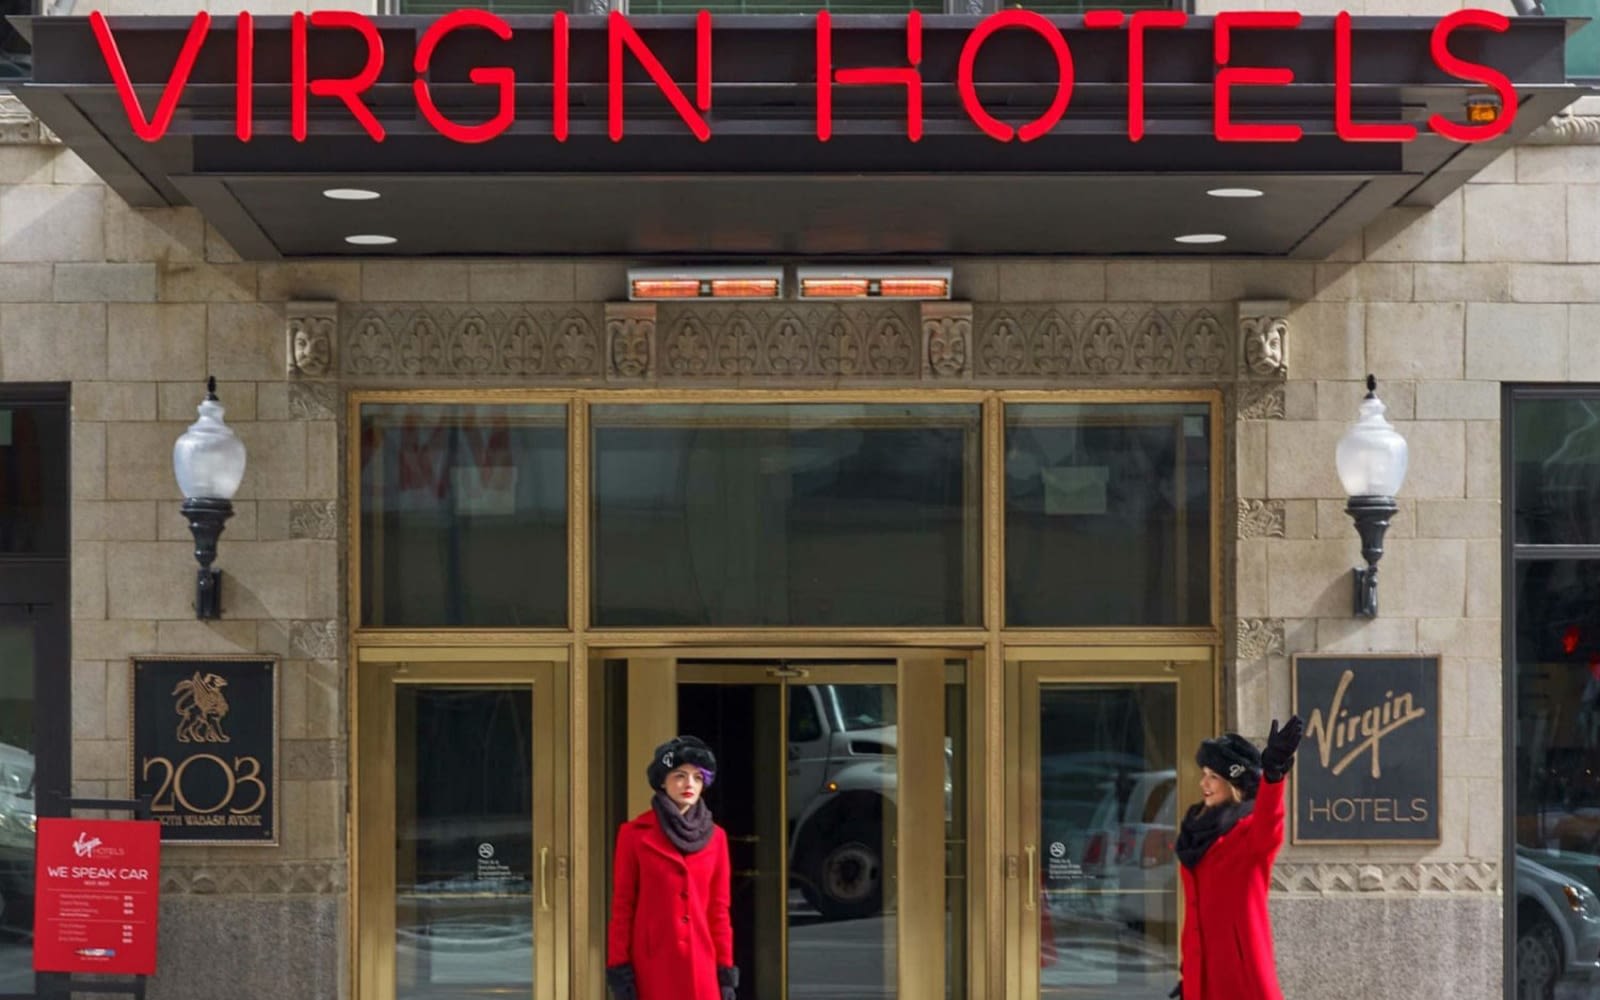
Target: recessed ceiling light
370	240
1235	192
350	194
1200	238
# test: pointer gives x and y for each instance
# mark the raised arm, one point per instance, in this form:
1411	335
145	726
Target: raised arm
1266	824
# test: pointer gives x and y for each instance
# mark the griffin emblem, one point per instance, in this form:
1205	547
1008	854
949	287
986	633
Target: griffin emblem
201	706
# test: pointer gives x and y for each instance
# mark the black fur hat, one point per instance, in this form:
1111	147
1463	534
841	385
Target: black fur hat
676	753
1234	758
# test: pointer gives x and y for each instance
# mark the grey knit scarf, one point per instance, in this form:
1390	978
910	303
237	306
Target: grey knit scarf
688	831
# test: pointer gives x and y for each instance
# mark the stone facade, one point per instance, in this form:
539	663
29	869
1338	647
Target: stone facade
135	308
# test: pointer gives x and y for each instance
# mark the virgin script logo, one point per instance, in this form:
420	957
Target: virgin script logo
1352	733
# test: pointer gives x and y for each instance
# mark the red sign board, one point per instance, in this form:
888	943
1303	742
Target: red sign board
96	892
1451	34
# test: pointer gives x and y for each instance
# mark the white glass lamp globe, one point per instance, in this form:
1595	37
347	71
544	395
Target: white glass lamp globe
208	458
1371	456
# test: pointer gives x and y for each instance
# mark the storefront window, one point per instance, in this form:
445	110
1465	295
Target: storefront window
1108	515
34	674
819	515
463	516
1554	605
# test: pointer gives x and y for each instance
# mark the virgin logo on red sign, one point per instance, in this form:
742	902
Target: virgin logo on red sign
625	43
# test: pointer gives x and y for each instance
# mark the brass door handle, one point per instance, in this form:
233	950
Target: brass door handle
1029	889
544	879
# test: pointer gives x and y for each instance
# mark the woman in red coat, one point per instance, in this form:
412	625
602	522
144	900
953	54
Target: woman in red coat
1225	849
670	937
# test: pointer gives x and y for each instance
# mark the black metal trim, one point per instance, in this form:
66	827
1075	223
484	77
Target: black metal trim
1508	697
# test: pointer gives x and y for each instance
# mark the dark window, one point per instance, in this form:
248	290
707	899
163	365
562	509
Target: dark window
463	516
1108	514
16	55
827	515
1552	539
34	676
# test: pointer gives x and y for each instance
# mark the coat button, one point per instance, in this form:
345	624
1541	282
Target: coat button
685	918
683	895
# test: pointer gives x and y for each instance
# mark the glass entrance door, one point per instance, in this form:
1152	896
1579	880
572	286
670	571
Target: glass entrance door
832	785
1105	751
462	867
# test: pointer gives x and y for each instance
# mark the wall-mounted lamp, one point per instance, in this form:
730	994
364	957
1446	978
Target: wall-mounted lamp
1371	459
208	460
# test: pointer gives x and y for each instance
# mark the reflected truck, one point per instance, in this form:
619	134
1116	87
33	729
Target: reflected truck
842	794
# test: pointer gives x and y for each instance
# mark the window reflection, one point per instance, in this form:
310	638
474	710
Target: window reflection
842	515
464	849
1108	515
1108	809
463	516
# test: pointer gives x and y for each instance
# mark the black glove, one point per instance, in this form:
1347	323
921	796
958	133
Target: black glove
619	979
1177	991
1278	756
728	979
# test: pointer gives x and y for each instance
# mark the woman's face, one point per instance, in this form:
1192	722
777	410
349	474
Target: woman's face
1214	788
684	785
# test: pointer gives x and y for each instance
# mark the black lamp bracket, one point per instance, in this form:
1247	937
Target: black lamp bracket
206	518
1371	515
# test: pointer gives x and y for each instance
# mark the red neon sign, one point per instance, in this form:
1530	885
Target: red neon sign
624	42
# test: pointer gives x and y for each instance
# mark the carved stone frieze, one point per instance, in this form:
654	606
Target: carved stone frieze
295	878
1054	340
1260	518
315	640
947	339
512	342
1392	879
310	330
314	519
18	126
878	340
1567	130
630	340
1261	401
1264	338
313	400
1256	638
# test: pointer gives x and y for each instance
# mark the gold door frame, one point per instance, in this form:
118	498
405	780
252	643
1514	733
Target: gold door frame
920	677
991	966
1190	668
379	671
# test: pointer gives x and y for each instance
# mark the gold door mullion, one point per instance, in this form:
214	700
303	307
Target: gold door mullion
547	850
375	896
1028	823
920	833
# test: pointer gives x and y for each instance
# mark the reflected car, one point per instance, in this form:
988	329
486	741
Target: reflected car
1558	930
18	821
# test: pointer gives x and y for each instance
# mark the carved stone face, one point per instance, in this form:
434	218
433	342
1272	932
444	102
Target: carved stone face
312	353
1263	347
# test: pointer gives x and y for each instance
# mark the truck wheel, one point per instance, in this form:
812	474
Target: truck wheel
848	875
1538	958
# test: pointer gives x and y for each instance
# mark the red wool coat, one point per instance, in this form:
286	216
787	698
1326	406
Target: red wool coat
669	912
1227	936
